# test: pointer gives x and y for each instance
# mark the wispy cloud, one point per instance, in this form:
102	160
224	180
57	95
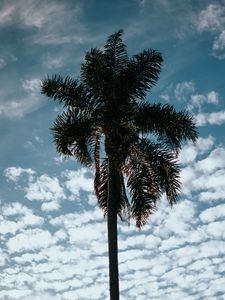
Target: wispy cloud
6	13
183	90
186	92
212	19
29	101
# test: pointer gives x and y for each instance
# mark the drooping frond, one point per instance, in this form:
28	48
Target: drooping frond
164	164
102	188
125	207
73	136
143	187
116	53
97	163
170	126
142	73
152	170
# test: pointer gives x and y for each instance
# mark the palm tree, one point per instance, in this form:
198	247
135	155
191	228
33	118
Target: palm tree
108	124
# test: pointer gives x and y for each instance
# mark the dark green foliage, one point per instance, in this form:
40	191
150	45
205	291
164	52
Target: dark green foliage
108	104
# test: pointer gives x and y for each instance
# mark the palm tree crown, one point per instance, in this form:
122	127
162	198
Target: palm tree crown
141	139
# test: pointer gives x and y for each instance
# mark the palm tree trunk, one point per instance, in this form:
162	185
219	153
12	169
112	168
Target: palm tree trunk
113	192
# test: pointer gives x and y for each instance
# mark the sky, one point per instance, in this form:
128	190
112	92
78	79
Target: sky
52	234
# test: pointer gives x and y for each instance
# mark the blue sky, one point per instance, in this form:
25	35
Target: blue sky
52	233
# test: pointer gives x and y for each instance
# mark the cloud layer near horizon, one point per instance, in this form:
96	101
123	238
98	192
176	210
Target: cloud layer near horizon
180	254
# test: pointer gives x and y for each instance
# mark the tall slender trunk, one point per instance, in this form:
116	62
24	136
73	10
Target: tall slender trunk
113	193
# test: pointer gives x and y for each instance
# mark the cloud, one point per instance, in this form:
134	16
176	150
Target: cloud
48	189
214	118
212	19
43	188
213	162
2	63
41	14
78	180
191	151
205	177
19	107
184	89
37	14
14	173
6	13
198	100
30	239
53	62
16	217
53	21
50	206
179	254
32	86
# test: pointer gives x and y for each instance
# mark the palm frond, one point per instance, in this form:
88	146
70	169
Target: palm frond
170	126
115	52
141	73
101	181
164	164
143	187
101	189
94	73
124	207
73	136
97	164
67	91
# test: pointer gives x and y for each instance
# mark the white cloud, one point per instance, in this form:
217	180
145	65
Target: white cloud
23	217
32	86
212	19
183	90
14	173
211	98
190	151
213	162
214	118
50	206
14	294
219	43
205	144
19	107
45	188
78	180
30	239
3	258
181	250
53	62
188	154
79	235
38	15
205	176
